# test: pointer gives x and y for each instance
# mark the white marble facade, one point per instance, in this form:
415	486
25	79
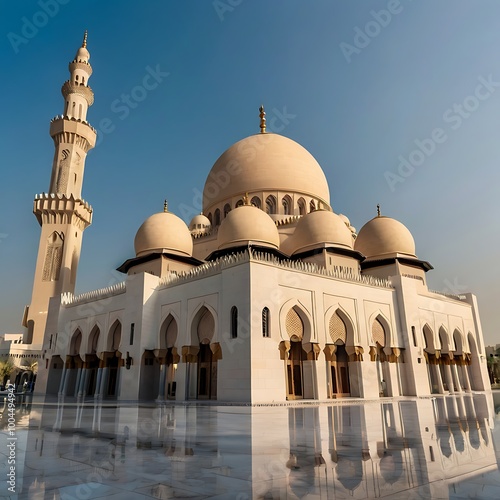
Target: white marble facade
268	295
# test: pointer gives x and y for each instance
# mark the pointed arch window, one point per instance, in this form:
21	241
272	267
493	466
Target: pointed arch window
271	204
227	209
301	203
217	217
265	323
256	202
234	322
287	205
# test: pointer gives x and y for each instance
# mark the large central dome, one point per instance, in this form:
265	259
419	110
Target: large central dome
264	163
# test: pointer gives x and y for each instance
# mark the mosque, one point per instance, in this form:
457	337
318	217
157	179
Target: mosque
267	296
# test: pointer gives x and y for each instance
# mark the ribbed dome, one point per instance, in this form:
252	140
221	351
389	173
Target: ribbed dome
247	224
321	228
163	232
383	236
264	162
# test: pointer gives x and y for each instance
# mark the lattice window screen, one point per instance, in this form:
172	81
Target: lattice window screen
338	330
294	325
206	326
378	332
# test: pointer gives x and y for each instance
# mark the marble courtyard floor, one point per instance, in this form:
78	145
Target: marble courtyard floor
399	448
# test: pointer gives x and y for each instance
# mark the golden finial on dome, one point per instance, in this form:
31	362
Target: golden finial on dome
262	119
84	43
165	206
246	200
378	209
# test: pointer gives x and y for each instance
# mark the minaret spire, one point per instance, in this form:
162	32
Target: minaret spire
62	214
262	119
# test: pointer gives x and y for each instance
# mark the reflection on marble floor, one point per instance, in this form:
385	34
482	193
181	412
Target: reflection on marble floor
440	447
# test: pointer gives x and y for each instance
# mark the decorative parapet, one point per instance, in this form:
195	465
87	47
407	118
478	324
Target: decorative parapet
57	208
450	295
311	268
214	267
207	269
289	220
208	232
60	196
68	299
73	119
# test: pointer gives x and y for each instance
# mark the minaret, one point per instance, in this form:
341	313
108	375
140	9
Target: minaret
61	213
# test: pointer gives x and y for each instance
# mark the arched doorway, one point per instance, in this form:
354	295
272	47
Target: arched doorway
91	362
201	358
299	357
338	361
430	353
112	361
380	338
168	359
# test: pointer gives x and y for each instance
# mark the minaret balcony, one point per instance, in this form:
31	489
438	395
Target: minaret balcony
70	87
58	208
80	65
66	129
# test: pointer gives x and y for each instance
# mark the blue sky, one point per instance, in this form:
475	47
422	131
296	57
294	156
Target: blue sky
364	86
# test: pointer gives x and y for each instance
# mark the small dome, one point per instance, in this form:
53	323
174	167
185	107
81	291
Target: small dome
82	55
199	222
345	219
384	236
264	162
247	224
163	232
320	228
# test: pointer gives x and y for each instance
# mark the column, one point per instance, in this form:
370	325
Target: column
449	379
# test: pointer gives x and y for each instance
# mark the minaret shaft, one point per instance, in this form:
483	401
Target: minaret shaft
62	214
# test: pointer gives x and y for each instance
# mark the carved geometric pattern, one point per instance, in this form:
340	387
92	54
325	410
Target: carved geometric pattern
53	258
338	330
378	333
206	326
63	173
294	325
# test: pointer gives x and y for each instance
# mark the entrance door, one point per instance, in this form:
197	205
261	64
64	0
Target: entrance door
339	371
294	371
207	373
